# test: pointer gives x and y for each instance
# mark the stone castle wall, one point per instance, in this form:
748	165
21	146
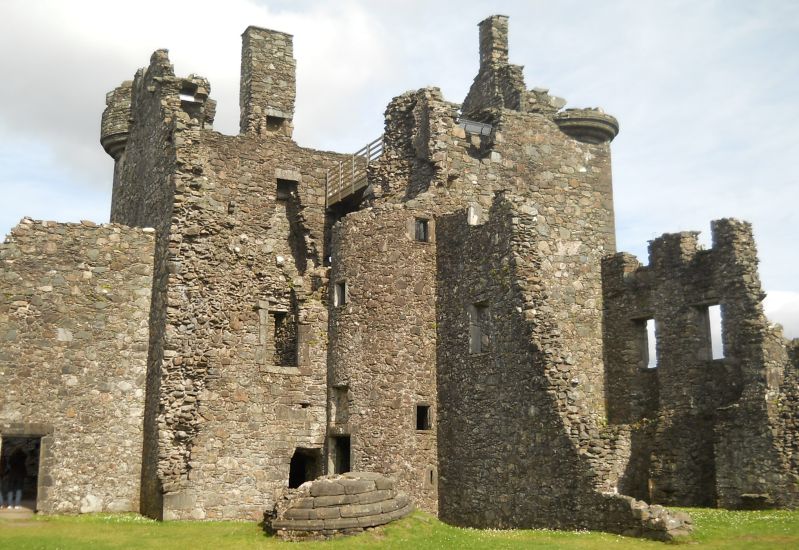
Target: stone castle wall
74	307
706	423
241	228
452	325
383	346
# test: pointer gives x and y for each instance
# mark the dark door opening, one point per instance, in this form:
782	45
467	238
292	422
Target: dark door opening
341	454
306	464
19	467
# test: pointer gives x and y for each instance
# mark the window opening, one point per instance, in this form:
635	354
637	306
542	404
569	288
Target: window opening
479	340
285	338
340	293
646	343
710	330
286	189
274	123
423	420
716	343
422	233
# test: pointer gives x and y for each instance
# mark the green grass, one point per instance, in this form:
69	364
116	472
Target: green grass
715	529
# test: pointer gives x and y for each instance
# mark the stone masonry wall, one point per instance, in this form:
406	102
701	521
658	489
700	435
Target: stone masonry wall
241	229
382	353
143	195
508	458
711	427
268	86
238	255
74	307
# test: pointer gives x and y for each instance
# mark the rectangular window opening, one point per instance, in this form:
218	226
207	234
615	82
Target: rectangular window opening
286	189
716	343
285	338
274	123
341	454
340	294
479	340
423	420
709	318
422	233
647	344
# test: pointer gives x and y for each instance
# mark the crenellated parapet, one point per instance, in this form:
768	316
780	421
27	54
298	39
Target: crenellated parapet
700	394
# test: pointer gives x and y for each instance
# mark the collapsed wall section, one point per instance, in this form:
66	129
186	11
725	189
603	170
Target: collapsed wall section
383	347
74	307
708	431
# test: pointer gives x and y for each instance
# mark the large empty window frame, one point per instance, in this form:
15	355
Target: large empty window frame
479	335
646	343
709	319
274	123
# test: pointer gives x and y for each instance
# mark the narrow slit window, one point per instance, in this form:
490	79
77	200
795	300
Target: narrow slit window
422	233
479	339
423	420
340	294
647	344
716	343
711	345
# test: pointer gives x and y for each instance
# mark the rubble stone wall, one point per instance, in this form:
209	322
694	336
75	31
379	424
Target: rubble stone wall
238	256
706	424
74	307
508	458
383	345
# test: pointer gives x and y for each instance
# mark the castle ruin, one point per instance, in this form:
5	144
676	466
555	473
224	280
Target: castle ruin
446	307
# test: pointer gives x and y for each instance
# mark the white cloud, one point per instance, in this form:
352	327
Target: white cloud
783	307
704	91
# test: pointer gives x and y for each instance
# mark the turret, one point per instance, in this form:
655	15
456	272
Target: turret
115	123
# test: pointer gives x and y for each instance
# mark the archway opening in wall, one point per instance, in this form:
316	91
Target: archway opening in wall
306	465
19	468
341	454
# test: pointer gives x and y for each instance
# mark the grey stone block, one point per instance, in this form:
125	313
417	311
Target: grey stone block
357	486
326	488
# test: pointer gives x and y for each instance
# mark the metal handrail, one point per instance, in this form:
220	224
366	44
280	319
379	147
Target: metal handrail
351	175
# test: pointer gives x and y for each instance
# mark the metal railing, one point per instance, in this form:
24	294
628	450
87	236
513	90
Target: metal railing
350	175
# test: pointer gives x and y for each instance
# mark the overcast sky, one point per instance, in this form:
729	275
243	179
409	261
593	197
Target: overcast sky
706	93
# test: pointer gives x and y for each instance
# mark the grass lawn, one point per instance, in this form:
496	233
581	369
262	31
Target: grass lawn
715	529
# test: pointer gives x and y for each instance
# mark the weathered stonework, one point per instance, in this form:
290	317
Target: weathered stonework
74	306
460	320
708	431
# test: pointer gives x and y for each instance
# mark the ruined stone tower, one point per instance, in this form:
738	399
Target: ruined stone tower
446	307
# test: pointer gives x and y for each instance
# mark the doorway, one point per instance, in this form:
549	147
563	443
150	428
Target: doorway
19	466
306	465
341	454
